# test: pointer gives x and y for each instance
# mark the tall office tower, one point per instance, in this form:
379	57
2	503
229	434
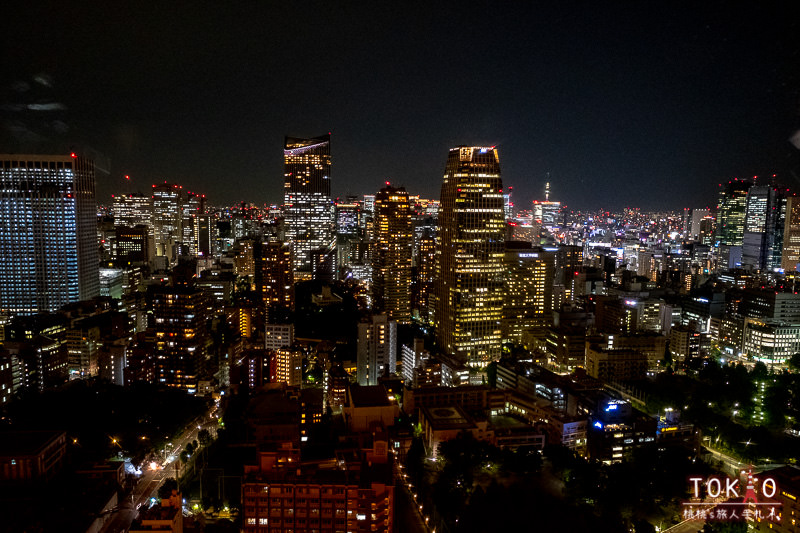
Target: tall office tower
181	337
528	290
206	234
391	257
508	204
763	230
273	276
548	212
348	228
368	205
193	206
469	258
698	215
731	212
167	220
132	210
790	256
376	352
48	232
133	246
424	273
348	217
569	262
307	198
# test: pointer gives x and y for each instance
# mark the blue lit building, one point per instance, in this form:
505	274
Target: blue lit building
48	237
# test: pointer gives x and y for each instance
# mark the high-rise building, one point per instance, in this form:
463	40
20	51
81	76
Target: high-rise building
193	206
132	210
698	215
181	336
731	212
289	366
790	258
273	275
763	229
168	202
469	258
528	290
48	234
377	349
424	273
391	259
348	218
133	245
546	214
307	198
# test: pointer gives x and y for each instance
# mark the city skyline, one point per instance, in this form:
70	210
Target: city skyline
646	106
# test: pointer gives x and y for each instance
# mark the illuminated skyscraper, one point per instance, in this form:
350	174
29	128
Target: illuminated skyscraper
167	220
424	274
193	206
307	198
790	260
48	232
181	337
731	212
528	290
763	226
132	210
469	257
391	258
273	275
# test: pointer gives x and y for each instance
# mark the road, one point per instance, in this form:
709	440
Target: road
410	517
151	480
687	526
732	465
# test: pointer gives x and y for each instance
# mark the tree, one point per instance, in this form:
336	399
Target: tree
204	436
760	371
165	490
794	362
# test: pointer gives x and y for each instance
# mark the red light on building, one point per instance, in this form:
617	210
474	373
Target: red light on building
73	155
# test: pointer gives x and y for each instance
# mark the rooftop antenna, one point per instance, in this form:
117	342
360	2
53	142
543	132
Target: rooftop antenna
547	189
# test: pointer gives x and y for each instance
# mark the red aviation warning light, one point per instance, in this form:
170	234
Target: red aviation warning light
73	155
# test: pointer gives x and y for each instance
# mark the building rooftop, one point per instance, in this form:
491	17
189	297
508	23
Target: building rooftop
369	396
21	443
444	418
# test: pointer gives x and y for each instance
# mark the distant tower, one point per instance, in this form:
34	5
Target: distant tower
391	258
273	276
765	214
731	212
168	200
48	232
307	198
469	257
790	259
547	190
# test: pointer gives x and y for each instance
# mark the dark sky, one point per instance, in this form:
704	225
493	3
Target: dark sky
646	104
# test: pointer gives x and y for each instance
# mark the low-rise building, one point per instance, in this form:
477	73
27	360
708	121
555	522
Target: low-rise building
369	404
440	424
31	456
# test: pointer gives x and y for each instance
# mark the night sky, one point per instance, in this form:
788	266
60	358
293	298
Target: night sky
623	103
